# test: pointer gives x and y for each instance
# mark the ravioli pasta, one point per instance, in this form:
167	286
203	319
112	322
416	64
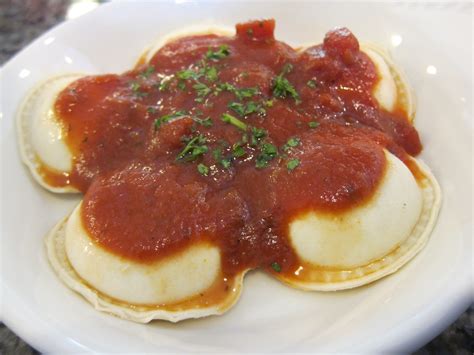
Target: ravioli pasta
220	153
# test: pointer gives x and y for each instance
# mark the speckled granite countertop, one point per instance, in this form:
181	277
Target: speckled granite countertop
21	21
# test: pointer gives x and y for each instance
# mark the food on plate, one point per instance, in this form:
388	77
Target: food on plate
221	153
42	135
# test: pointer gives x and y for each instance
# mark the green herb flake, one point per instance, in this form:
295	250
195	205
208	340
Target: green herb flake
291	143
157	124
275	266
226	163
238	151
211	74
169	117
261	163
251	107
268	103
225	87
269	151
228	118
244	109
292	164
313	124
206	122
164	84
147	72
135	86
256	135
136	89
311	84
241	94
203	169
259	133
181	85
219	54
187	74
202	90
237	107
246	93
282	88
217	154
194	148
250	32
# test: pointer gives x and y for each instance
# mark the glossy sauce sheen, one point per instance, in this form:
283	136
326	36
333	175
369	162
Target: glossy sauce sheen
143	203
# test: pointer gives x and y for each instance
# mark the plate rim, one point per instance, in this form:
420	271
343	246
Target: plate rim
414	334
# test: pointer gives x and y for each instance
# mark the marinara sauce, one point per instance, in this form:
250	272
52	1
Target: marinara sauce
226	140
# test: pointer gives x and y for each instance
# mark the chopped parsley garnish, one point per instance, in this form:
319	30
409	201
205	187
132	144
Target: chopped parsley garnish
203	169
206	122
245	109
170	117
282	87
184	75
291	143
202	90
268	103
250	32
311	84
241	94
225	162
228	118
217	154
194	148
136	89
245	93
219	54
238	151
211	74
135	86
187	74
254	107
225	87
181	85
292	164
275	266
203	78
258	133
164	84
147	72
237	107
269	151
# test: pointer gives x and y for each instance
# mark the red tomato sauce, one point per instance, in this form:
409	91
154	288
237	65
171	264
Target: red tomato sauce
225	139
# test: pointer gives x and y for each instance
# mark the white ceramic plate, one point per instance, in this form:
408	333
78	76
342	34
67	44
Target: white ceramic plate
398	313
